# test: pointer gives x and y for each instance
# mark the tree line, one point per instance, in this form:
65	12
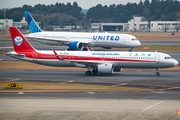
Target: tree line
71	14
155	10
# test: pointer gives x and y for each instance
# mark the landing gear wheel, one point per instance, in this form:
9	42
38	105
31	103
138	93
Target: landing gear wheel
130	49
157	73
88	73
94	71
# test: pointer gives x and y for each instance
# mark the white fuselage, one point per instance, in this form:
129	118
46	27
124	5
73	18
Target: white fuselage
108	40
85	59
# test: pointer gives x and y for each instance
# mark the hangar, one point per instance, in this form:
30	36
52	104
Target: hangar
109	26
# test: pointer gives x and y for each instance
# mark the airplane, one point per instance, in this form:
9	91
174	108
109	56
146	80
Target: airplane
105	62
78	40
100	62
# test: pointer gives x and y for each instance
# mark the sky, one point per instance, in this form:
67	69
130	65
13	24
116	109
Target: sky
84	4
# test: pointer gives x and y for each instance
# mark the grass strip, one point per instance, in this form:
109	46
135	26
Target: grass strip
61	87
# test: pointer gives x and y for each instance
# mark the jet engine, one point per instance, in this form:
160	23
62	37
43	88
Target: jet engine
105	68
76	45
117	69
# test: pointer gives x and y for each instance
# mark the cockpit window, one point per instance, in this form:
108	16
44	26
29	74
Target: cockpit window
168	58
134	39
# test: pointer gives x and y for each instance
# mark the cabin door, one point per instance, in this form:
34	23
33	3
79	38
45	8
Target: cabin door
156	58
35	57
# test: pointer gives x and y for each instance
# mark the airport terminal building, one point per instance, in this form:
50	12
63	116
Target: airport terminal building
136	24
6	23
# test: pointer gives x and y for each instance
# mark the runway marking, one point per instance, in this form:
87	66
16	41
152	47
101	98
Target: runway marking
20	93
173	88
91	92
152	106
6	47
120	84
71	81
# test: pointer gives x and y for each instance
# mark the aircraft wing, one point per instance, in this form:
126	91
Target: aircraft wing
54	39
87	63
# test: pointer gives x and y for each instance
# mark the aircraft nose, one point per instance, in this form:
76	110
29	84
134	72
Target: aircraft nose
176	62
137	44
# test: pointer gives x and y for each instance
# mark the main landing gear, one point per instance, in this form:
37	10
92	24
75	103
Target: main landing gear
157	73
130	49
94	71
88	73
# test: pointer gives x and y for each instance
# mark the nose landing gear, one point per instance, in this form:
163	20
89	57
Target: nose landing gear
157	73
130	49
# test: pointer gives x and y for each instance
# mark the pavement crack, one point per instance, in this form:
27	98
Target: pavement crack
32	114
171	118
126	115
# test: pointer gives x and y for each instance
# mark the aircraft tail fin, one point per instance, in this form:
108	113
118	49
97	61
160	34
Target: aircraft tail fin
87	48
19	42
33	27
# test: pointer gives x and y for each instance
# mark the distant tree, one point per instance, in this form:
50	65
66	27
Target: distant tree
157	15
146	4
67	20
177	26
165	27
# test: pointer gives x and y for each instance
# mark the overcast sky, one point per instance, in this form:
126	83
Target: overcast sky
85	4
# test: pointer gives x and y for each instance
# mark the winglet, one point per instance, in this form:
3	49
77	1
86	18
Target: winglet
178	111
33	27
57	56
87	48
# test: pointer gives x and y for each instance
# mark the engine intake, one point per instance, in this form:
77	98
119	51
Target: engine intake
105	68
76	45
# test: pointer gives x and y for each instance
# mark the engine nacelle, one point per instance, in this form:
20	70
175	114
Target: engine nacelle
117	69
105	68
76	45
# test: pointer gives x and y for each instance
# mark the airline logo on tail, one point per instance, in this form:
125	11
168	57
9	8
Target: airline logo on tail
18	40
33	27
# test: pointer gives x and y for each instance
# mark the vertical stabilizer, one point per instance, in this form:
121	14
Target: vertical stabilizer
33	27
19	42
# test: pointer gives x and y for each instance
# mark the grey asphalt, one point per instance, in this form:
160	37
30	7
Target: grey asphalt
143	79
87	109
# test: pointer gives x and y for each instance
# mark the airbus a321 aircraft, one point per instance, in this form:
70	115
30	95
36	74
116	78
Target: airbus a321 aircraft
98	62
78	40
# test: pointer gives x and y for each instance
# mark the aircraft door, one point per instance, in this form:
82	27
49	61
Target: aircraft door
71	57
102	57
124	40
34	56
156	58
